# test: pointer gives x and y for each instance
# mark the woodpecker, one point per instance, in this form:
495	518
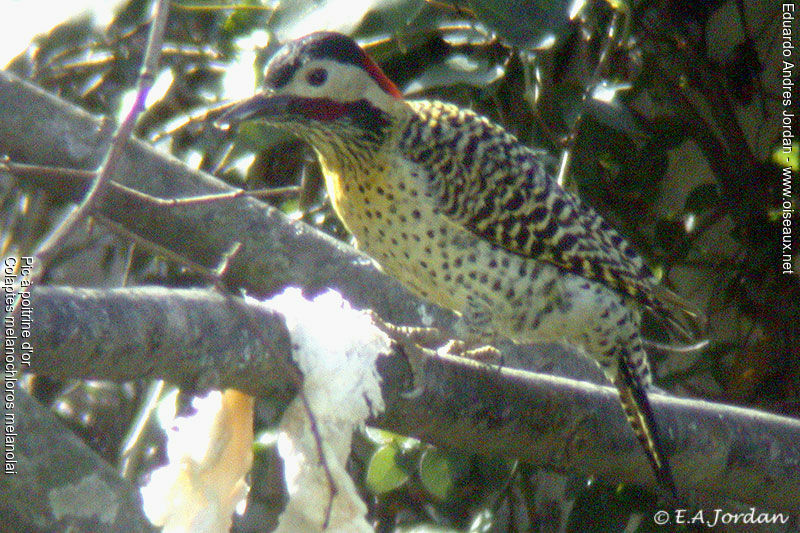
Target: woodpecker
468	217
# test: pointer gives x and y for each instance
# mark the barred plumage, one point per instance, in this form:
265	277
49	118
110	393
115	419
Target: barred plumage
469	218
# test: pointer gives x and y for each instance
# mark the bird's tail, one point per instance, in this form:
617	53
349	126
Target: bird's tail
640	416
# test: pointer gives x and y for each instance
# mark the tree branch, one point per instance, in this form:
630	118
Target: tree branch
198	338
60	484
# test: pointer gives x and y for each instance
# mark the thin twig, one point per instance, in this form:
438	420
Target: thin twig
156	249
53	173
57	239
47	172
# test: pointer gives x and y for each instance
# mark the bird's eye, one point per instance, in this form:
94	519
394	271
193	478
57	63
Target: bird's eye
317	77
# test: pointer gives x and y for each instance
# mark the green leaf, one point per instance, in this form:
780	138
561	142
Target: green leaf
379	436
436	473
702	198
384	474
382	436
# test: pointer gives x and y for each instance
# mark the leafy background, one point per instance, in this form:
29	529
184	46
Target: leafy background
666	115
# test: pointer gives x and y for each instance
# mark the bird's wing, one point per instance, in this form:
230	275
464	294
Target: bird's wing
504	192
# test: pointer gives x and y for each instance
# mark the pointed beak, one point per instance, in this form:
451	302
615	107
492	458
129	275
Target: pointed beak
262	106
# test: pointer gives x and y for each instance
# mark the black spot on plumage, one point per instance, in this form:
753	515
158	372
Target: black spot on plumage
537	216
535	248
516	201
523	236
484	134
568	242
469	151
549	230
558	206
483	213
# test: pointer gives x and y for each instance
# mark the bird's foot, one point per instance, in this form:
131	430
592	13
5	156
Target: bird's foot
421	336
434	339
484	354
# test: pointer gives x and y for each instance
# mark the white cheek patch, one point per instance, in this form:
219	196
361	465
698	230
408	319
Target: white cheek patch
345	83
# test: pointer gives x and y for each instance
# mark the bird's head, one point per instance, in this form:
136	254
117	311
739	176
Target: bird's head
324	88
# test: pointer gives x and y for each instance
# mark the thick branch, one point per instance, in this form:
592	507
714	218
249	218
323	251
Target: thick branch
549	421
60	484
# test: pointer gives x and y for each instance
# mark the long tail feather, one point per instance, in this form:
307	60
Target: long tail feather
640	416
